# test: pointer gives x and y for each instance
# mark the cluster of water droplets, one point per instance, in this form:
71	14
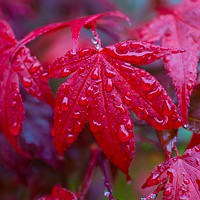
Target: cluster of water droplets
151	196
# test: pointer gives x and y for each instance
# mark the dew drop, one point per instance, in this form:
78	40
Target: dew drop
167	191
65	104
65	72
95	126
84	52
167	109
94	40
123	134
121	109
26	82
76	115
95	74
159	120
89	91
44	77
70	138
77	127
14	103
186	126
126	68
127	100
61	61
109	85
109	73
129	124
143	198
153	196
154	93
197	149
106	193
34	68
186	181
15	128
147	84
83	101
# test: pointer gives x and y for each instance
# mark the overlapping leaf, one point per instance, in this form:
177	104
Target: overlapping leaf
59	193
181	175
28	70
102	88
179	29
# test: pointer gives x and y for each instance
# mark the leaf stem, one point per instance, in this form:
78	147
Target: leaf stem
88	175
108	193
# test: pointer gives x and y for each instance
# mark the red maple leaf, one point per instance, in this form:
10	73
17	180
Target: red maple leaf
179	28
29	71
102	87
181	176
59	193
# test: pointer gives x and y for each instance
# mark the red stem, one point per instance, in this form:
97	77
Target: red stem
88	175
103	168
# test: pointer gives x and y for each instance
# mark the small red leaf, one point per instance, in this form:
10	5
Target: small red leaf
179	29
59	193
181	176
29	71
101	89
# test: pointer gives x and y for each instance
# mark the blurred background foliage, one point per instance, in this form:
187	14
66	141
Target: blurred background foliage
24	179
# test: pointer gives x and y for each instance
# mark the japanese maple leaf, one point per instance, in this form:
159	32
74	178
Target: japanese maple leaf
101	88
181	176
29	72
179	28
59	193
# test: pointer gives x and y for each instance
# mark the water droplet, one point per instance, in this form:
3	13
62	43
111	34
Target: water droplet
77	127
26	82
70	138
106	193
123	134
83	101
147	84
186	181
186	126
96	126
95	73
143	198
167	191
167	109
159	120
126	68
65	72
122	49
61	61
84	52
95	94
129	124
127	100
44	77
66	88
121	108
14	103
94	40
15	128
76	115
197	149
65	104
153	196
109	73
34	68
109	85
154	93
